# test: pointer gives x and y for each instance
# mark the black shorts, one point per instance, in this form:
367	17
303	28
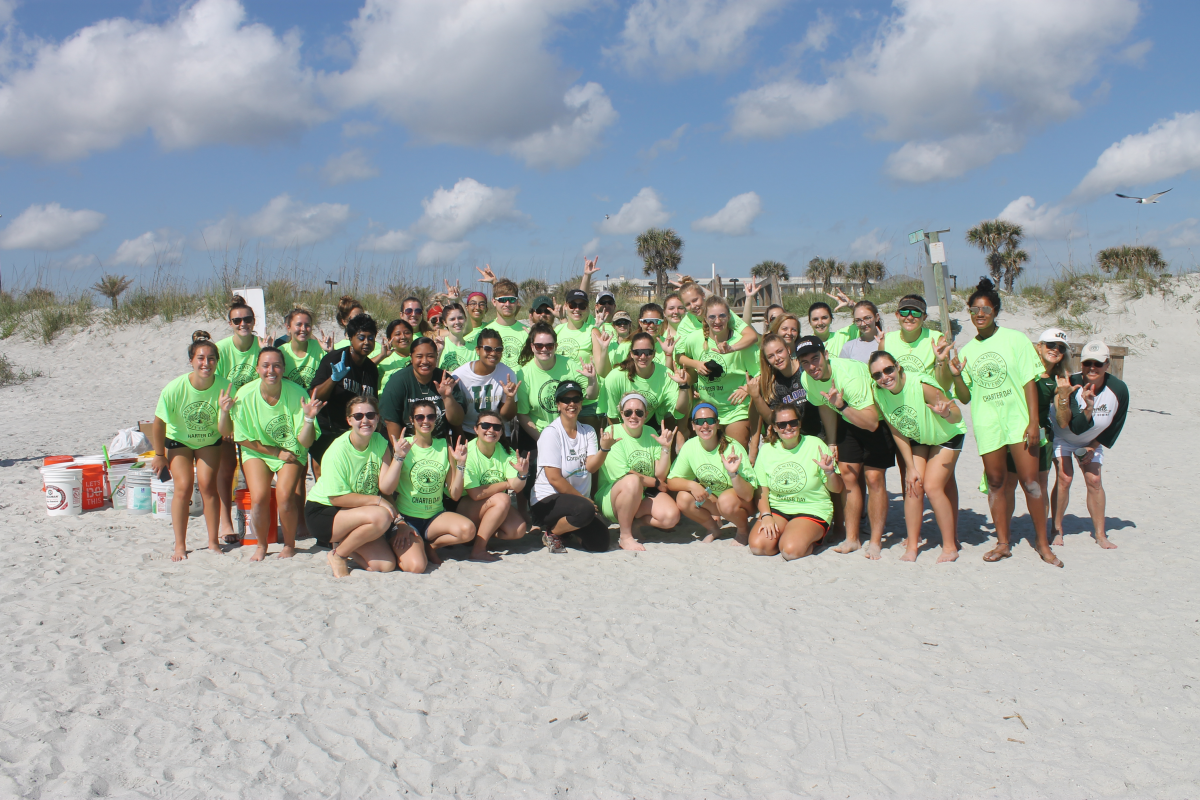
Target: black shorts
1045	458
420	525
171	444
874	449
322	444
953	444
527	444
589	525
320	521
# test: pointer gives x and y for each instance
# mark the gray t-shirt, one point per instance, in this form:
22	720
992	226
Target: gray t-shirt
859	350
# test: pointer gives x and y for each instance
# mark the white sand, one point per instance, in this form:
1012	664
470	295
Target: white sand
687	671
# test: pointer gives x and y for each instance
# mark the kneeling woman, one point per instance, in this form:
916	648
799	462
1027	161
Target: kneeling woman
713	477
795	475
346	508
191	418
639	461
928	430
275	423
431	465
492	472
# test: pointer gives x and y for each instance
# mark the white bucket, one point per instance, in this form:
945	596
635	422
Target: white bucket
162	493
197	506
64	491
117	475
137	491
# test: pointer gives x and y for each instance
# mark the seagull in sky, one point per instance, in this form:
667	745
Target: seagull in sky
606	215
1151	199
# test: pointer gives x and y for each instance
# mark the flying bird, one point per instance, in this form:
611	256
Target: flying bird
1151	199
606	215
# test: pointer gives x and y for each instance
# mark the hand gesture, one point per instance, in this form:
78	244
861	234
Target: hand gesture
439	339
827	462
1063	388
732	461
326	342
833	397
842	300
607	438
941	407
453	292
486	272
602	313
602	338
445	387
266	341
312	407
401	445
664	436
510	389
385	348
589	267
588	371
956	366
225	400
521	464
768	527
752	288
723	347
741	393
679	376
941	350
341	369
1087	396
459	452
879	336
668	345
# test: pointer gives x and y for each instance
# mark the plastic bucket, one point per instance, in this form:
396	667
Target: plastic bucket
93	484
137	491
162	493
118	474
64	492
241	508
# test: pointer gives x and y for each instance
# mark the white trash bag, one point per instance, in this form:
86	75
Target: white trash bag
128	442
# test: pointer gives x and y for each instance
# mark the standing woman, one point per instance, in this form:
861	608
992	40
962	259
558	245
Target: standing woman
639	461
302	354
795	474
868	332
455	350
486	383
713	478
920	350
788	328
667	393
1001	366
274	421
720	371
676	311
743	335
396	351
820	319
239	355
928	430
431	466
347	510
342	376
540	371
780	381
190	421
491	472
348	308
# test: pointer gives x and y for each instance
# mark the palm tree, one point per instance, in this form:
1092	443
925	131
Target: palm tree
1011	262
661	250
111	286
991	236
532	287
823	270
1129	262
864	272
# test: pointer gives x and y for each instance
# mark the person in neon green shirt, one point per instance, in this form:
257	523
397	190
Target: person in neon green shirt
398	351
712	478
999	369
455	349
302	353
347	509
190	420
540	370
637	461
476	308
274	422
820	318
795	475
742	336
927	428
239	355
580	341
667	393
513	331
725	386
918	349
491	472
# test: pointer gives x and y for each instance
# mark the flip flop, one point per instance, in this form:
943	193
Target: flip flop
992	556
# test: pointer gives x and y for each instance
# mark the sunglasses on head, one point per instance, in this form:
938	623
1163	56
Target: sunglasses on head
489	426
242	320
704	420
1056	346
643	351
889	370
909	312
634	412
787	423
571	399
359	416
487	348
424	417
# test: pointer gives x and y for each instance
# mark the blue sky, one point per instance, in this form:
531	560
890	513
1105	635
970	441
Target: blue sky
439	136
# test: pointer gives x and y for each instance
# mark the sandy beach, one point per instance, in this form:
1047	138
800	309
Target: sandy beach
687	671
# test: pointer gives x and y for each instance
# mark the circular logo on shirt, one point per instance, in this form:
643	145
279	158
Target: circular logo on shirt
989	371
427	477
199	416
367	479
451	361
712	477
788	480
242	374
279	430
491	475
568	348
911	363
905	420
641	462
546	396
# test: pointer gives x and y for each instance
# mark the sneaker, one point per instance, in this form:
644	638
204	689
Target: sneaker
554	542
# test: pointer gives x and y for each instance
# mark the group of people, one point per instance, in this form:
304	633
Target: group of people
453	429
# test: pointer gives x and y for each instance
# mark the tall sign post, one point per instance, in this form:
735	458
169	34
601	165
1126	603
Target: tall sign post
936	274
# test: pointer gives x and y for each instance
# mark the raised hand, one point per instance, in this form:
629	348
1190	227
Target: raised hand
827	462
842	300
664	436
459	451
401	445
601	313
385	348
588	371
941	407
607	438
833	397
266	341
956	366
522	463
589	267
486	272
312	407
341	369
602	338
752	288
510	388
225	400
325	341
454	291
1063	387
668	345
679	376
879	336
732	461
1087	397
941	350
445	387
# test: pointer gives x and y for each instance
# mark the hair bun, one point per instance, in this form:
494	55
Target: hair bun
201	336
985	285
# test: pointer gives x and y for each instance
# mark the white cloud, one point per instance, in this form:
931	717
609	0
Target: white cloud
668	145
284	221
79	261
870	245
1182	234
356	128
389	242
204	77
451	214
476	73
352	165
589	249
675	37
960	82
1041	222
49	227
7	9
645	210
735	218
435	253
149	248
1171	147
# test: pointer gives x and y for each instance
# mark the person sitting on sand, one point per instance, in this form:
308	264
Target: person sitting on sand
343	375
347	508
712	478
431	465
639	461
928	431
274	421
795	475
491	472
999	367
568	454
190	422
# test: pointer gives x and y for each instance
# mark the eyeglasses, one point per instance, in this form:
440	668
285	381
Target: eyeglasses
571	399
985	311
633	412
409	312
242	320
489	426
424	417
1056	346
717	317
507	300
909	312
578	306
886	371
1093	365
787	423
866	321
704	420
651	321
477	304
643	351
544	345
488	349
359	416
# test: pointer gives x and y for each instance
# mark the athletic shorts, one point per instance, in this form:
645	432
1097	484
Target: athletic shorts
420	525
1063	449
527	444
874	449
171	444
322	444
953	444
320	521
579	513
789	517
1045	458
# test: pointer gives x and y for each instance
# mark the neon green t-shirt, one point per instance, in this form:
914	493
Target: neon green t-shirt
389	367
472	338
301	369
692	324
909	414
737	365
575	344
237	367
833	345
455	355
660	391
694	463
535	396
423	479
255	420
629	455
917	357
483	470
514	337
852	377
191	416
347	470
795	482
996	371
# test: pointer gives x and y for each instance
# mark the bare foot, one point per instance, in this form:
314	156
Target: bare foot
287	552
180	554
1050	558
712	535
260	553
1105	543
872	551
910	554
998	552
431	555
847	547
740	540
483	555
215	548
1058	540
338	564
630	543
947	556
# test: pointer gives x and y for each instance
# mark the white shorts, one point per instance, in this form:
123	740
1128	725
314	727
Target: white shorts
1064	449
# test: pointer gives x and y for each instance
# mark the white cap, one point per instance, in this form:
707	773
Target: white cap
1094	351
1053	335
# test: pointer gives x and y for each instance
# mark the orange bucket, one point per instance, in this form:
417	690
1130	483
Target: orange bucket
93	485
242	501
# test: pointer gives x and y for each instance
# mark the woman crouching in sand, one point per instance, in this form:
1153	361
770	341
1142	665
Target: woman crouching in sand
346	508
491	472
713	478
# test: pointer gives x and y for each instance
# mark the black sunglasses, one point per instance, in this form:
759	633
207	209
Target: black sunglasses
424	417
578	306
1058	346
240	320
634	412
489	426
359	416
643	351
571	399
543	345
890	370
704	420
787	423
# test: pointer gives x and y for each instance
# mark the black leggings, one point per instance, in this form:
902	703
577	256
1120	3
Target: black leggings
579	513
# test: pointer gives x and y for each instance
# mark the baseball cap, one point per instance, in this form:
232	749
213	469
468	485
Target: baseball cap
1053	335
606	295
542	300
577	296
622	315
565	388
915	303
1094	351
806	345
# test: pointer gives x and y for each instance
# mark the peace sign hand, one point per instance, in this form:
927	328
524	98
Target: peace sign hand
401	445
607	438
326	342
225	400
267	340
510	388
486	272
733	461
459	451
312	407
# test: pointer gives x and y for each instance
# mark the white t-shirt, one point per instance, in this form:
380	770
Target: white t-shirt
1103	411
482	392
859	350
556	449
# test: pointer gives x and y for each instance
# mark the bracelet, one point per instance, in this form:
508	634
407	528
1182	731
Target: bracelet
602	450
526	476
845	405
309	420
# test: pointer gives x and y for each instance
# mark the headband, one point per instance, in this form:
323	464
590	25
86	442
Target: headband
472	294
633	396
709	406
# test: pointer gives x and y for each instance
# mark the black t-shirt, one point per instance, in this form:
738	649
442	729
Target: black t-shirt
362	380
403	390
787	390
